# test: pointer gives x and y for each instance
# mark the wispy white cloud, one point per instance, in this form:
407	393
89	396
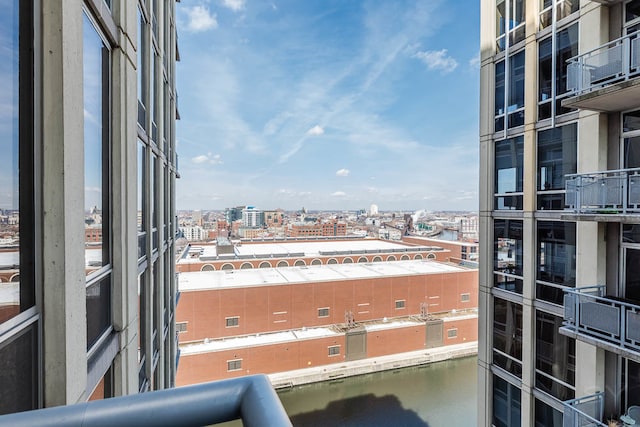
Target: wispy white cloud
475	61
263	102
200	19
207	158
343	172
315	131
235	5
437	60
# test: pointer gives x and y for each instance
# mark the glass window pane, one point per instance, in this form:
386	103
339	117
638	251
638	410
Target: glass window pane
98	309
499	96
557	253
632	274
631	383
506	404
141	74
631	152
16	168
517	14
19	372
142	231
566	8
507	335
631	233
96	96
545	64
501	17
567	47
556	156
509	165
555	357
516	81
632	11
631	121
546	416
152	95
508	246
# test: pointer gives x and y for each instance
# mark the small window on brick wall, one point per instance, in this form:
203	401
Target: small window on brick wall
465	297
323	312
232	322
234	365
181	326
452	333
400	303
334	350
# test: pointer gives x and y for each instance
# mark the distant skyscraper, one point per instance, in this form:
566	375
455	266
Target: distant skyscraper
252	217
233	214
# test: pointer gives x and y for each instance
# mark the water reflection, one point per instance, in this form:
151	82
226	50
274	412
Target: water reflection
365	410
442	394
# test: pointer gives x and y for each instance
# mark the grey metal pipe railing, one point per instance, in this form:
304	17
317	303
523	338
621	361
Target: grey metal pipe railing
611	191
584	411
612	62
250	398
587	311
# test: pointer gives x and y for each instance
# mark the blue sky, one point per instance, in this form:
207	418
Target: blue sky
328	104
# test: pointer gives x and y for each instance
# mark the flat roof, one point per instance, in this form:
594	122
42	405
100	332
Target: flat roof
451	242
256	340
307	249
221	279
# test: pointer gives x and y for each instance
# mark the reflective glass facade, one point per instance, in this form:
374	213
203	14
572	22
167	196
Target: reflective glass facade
77	200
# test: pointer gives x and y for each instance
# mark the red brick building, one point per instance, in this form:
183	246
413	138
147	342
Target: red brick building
269	320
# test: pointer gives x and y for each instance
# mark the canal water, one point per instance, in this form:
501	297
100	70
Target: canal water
442	394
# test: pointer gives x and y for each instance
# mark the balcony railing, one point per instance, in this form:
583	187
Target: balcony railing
584	412
614	191
615	61
251	399
587	312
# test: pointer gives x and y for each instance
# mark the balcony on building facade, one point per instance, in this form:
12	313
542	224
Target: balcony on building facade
250	398
584	411
611	323
607	196
606	78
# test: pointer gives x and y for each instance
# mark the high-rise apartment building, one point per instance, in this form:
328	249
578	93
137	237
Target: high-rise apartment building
252	217
87	182
559	220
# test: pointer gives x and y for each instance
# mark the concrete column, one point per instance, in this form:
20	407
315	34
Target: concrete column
124	180
591	257
63	287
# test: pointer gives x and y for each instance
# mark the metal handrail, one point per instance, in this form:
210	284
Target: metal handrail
617	190
250	398
574	417
609	319
596	68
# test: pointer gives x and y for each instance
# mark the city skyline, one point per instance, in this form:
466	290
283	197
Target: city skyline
328	105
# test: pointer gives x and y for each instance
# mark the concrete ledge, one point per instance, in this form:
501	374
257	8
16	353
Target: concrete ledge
602	217
334	371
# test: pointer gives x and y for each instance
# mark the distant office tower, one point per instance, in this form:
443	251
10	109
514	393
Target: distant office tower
252	217
87	182
559	218
233	214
